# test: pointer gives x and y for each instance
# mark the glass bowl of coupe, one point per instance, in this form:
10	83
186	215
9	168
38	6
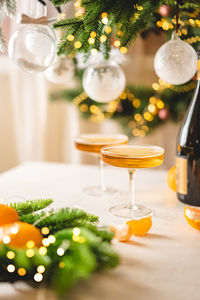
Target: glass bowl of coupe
92	144
132	157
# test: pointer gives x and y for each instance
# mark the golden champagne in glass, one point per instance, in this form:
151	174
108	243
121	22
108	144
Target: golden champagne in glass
132	157
92	144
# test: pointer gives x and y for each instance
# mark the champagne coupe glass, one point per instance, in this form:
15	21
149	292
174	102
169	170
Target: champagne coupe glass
92	144
132	157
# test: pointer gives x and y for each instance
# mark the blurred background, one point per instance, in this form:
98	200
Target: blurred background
35	128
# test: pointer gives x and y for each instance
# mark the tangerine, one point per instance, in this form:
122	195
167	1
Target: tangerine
19	233
140	227
8	215
192	215
171	178
122	233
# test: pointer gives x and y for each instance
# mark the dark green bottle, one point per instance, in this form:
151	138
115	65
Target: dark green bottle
188	151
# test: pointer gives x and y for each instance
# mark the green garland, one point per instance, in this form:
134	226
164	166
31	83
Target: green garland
140	109
84	248
100	20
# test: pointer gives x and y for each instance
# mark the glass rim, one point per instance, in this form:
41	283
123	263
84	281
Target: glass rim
105	151
122	138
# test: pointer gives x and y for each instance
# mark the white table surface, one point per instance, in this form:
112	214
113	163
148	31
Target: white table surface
165	264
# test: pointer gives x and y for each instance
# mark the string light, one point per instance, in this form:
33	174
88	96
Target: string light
52	239
45	242
93	34
136	103
104	18
30	253
14	230
151	108
10	255
6	239
160	104
77	44
30	244
43	251
103	38
41	269
70	38
104	15
94	52
137	117
38	277
155	86
117	43
60	251
84	108
123	50
61	264
91	41
148	116
21	272
11	268
76	231
108	29
45	230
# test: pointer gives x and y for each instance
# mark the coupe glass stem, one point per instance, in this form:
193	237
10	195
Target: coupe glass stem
101	175
132	188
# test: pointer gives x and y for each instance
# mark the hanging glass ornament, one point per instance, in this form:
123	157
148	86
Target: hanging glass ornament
33	46
61	71
104	81
176	61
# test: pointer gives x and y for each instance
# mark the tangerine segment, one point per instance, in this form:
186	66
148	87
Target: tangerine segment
19	234
171	178
140	227
192	215
122	233
8	215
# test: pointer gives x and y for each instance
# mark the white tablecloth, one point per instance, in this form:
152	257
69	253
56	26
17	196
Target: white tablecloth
163	265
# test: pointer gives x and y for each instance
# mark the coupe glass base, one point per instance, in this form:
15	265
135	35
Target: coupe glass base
128	211
98	191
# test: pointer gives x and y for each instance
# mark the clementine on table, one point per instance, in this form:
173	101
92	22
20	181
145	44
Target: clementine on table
8	215
140	227
122	233
171	178
192	215
20	233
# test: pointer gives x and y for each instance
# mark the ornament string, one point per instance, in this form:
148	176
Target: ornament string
178	2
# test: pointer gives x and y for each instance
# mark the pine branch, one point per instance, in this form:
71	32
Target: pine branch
30	206
10	8
63	218
60	2
2	42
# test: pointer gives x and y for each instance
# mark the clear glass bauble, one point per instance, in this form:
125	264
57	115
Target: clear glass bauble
33	47
176	61
61	71
104	81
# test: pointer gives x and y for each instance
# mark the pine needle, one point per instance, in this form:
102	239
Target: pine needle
30	206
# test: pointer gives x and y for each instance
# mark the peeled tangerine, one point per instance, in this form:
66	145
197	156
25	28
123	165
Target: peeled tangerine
19	233
122	232
192	215
140	227
8	215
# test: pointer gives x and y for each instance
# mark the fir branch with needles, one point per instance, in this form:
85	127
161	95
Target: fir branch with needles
86	248
126	18
30	206
57	220
7	8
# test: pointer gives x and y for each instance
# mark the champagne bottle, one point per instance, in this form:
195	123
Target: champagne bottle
188	151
